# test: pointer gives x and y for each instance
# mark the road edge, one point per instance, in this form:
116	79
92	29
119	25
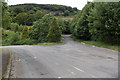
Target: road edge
9	66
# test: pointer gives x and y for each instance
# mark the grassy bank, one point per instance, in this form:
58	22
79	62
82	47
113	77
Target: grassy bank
98	44
47	43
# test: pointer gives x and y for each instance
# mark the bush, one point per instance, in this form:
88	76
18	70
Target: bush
14	27
54	34
25	41
11	38
24	33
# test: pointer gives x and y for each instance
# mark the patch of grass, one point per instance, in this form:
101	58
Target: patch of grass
49	43
46	43
98	44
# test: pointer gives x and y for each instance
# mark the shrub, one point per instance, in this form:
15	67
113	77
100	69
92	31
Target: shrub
11	38
14	27
25	33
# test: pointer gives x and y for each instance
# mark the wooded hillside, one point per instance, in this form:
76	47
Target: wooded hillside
57	10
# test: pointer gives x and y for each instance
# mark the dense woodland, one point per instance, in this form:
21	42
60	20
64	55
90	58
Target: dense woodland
98	21
32	23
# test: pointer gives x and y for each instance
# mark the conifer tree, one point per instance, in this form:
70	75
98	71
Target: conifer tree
54	34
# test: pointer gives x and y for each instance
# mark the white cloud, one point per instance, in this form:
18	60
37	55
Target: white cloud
73	3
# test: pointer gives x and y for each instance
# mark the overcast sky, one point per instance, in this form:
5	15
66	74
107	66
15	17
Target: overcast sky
73	3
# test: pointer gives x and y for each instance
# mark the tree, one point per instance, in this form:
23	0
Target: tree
67	26
54	34
74	22
61	24
104	22
14	27
30	19
38	15
21	18
18	9
6	19
41	28
25	33
81	29
66	13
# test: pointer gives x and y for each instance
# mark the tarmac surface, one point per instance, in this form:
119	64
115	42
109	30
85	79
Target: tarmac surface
69	60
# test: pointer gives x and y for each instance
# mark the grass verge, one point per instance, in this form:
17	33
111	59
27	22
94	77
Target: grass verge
50	43
98	44
47	44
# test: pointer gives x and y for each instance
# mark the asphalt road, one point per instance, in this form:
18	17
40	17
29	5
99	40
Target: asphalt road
69	60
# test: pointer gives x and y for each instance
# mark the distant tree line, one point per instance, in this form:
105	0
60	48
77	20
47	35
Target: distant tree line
26	14
58	10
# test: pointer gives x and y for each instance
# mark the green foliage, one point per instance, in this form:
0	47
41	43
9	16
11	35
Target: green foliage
25	33
14	27
20	28
21	18
26	18
104	22
66	13
30	19
38	15
17	10
81	29
41	28
64	25
54	34
6	19
10	38
58	10
74	22
67	26
25	41
98	21
61	24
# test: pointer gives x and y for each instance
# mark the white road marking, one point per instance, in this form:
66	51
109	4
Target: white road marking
93	46
79	69
35	57
83	43
92	76
59	77
72	72
84	71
